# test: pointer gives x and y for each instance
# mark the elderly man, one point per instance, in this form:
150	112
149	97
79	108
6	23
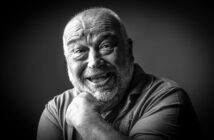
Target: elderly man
112	97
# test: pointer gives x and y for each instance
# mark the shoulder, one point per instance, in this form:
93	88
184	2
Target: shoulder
160	83
144	83
62	99
60	102
164	87
162	93
149	88
159	86
159	93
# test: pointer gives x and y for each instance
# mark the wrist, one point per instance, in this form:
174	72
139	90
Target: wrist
89	126
89	119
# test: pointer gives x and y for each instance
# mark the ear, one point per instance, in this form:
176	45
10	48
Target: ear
130	49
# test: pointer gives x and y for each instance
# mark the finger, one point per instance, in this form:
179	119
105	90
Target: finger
90	98
86	95
76	92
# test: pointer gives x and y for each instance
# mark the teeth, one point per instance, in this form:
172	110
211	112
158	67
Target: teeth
98	78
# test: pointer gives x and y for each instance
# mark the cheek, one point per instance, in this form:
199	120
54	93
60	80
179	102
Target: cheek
120	59
111	60
75	69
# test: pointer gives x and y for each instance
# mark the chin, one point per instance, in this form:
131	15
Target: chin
105	96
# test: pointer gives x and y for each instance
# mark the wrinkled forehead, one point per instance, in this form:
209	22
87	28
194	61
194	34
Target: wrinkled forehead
93	24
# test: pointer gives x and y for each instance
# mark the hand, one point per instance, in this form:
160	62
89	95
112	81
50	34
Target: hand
83	110
84	115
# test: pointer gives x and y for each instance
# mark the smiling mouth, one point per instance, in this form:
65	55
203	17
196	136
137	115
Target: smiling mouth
101	79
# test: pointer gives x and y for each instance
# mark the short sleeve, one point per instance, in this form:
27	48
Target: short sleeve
48	128
52	125
51	112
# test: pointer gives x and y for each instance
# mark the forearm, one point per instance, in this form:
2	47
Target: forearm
99	129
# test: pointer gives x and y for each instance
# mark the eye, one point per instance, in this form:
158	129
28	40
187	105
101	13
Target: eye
107	48
79	53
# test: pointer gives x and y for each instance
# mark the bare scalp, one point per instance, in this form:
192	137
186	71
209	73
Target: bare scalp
94	20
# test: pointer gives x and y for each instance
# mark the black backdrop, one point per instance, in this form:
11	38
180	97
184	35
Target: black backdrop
171	39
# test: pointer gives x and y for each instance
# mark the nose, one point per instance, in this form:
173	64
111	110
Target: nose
94	59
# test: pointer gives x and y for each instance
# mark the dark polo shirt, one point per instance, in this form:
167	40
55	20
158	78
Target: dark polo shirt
152	109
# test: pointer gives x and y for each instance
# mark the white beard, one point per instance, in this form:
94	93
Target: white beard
105	96
99	94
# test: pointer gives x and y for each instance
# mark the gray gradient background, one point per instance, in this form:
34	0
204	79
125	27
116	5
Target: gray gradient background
171	39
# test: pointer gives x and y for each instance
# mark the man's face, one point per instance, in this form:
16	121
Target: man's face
97	57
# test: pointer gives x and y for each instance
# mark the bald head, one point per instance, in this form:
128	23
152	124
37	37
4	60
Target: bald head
93	20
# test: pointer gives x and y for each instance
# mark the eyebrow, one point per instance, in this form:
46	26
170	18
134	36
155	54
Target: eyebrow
73	39
104	35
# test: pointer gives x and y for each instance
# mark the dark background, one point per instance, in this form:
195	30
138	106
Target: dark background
171	39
